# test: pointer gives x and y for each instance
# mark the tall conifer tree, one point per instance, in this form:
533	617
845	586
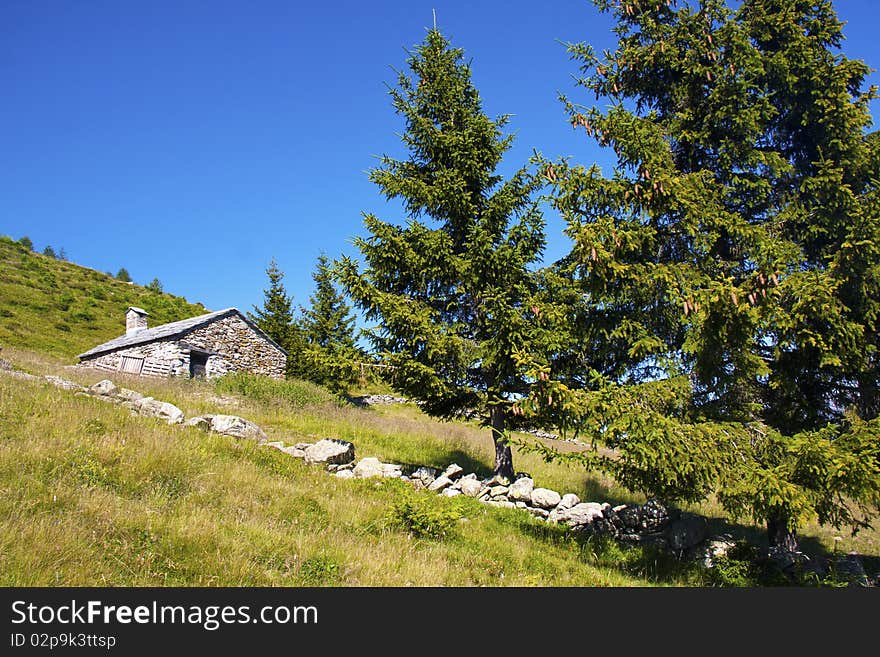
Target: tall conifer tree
452	288
729	264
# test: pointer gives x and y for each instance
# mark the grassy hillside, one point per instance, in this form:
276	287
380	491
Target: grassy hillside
63	309
90	495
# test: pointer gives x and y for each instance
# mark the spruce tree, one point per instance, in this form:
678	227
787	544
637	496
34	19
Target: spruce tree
452	288
275	317
729	264
123	275
328	322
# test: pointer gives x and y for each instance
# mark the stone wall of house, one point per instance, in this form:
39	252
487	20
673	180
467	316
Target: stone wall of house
241	346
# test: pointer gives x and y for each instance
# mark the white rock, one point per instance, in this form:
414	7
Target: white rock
450	492
237	427
545	498
105	387
368	468
129	395
440	483
63	383
277	444
505	504
452	471
391	470
470	487
424	474
539	513
580	515
330	450
294	451
568	500
498	491
155	408
519	504
521	490
345	474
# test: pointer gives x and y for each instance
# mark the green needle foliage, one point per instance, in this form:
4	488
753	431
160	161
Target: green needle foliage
328	330
452	289
728	269
275	318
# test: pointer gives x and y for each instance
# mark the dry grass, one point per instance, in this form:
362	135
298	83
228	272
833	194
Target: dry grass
90	495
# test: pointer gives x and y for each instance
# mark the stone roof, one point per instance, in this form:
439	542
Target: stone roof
173	330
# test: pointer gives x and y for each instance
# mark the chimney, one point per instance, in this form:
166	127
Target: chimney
135	320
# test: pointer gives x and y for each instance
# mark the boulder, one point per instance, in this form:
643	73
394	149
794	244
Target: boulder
105	387
714	548
199	422
424	474
470	487
277	444
440	483
238	427
345	474
505	504
64	384
330	450
452	471
653	516
579	516
568	500
128	395
368	468
303	446
450	492
155	408
391	470
545	498
294	451
498	491
538	513
521	490
849	568
685	532
630	516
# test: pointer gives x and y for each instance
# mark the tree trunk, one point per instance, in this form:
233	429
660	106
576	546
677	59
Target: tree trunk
780	536
503	455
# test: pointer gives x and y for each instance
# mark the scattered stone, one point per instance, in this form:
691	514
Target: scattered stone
440	483
128	395
199	422
377	400
452	471
450	492
498	480
330	450
105	387
345	466
345	474
849	568
630	515
155	408
653	516
579	516
424	474
24	376
294	451
568	500
392	470
538	512
64	384
368	468
520	505
545	498
521	490
715	548
499	491
685	532
277	444
505	504
238	427
470	487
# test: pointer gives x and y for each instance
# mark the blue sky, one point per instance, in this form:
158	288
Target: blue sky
194	141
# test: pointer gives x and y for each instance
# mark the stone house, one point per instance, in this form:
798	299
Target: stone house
207	346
